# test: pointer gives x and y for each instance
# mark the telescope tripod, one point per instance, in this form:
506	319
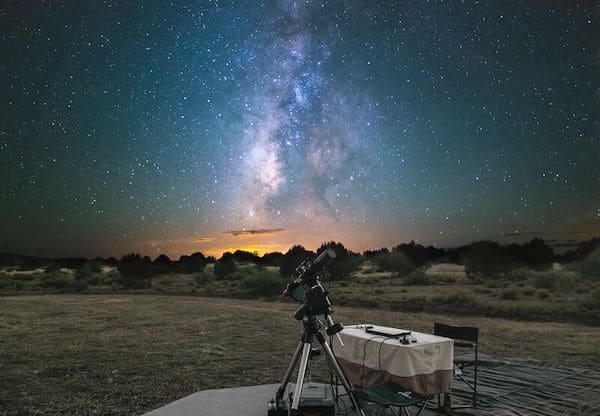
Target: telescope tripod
312	330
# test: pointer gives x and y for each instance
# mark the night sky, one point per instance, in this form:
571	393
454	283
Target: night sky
162	127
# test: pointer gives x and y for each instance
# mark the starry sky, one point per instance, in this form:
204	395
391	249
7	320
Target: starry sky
174	127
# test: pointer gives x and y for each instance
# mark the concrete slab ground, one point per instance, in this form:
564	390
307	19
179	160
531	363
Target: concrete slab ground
239	401
246	401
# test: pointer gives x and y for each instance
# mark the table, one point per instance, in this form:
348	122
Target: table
423	366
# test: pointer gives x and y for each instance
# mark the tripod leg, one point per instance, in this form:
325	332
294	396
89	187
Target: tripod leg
340	373
290	370
300	380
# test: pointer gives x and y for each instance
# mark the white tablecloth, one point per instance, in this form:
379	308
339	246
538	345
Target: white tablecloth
424	366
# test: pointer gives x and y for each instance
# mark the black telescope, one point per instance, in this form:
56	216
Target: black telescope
315	301
309	268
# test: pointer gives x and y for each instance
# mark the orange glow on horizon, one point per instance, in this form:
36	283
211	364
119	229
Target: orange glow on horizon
259	249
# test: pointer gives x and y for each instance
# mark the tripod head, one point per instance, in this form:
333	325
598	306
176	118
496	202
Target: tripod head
315	298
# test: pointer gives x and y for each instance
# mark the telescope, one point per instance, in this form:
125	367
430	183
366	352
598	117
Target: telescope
307	288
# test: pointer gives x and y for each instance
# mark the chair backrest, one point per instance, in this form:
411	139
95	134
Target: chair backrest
464	333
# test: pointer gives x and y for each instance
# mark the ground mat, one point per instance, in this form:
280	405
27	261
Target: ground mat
526	387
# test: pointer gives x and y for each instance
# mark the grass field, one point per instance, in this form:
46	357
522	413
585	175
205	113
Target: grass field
126	354
557	294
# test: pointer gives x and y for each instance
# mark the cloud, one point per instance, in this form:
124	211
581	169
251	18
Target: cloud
201	240
516	233
237	233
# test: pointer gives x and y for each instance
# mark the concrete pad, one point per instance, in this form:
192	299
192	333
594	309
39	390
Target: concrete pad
243	401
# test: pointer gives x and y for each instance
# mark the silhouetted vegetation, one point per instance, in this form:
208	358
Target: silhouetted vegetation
394	261
292	259
419	255
582	251
262	282
225	266
242	256
345	262
371	254
271	259
589	267
135	271
194	263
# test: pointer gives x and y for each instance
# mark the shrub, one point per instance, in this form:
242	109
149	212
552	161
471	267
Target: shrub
592	302
58	280
589	267
84	272
202	279
485	258
395	261
135	272
517	274
510	294
551	280
195	263
418	278
262	282
458	298
225	266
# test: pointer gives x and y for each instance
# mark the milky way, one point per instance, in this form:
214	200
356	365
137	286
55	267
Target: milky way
186	126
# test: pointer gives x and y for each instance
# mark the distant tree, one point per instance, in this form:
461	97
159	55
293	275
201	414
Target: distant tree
585	249
111	261
225	266
370	254
536	253
163	264
395	262
242	256
416	253
292	259
271	259
486	258
195	263
135	271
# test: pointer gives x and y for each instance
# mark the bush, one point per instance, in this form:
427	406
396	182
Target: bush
418	278
485	259
510	294
551	280
135	272
225	266
202	279
195	263
84	272
592	302
458	299
590	266
517	275
262	282
395	261
58	280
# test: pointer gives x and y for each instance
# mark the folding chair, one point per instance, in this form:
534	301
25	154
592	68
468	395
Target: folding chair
383	399
464	337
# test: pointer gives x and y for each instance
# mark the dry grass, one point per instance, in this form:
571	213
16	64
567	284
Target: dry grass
126	354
